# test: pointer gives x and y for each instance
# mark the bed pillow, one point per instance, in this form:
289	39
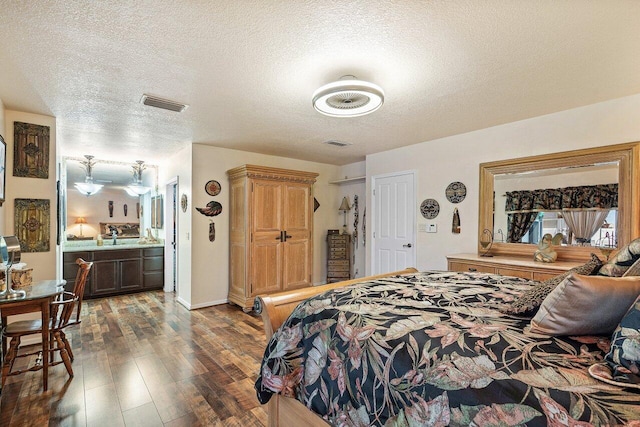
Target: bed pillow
620	263
531	299
586	305
623	360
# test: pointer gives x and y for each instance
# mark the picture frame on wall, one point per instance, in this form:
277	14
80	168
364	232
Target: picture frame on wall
31	150
3	167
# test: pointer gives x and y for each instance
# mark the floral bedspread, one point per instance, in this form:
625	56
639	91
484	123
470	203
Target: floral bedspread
432	349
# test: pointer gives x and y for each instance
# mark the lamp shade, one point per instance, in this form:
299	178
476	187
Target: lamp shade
81	220
344	206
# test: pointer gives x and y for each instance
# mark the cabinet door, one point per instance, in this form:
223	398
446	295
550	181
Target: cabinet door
130	272
297	224
266	248
104	278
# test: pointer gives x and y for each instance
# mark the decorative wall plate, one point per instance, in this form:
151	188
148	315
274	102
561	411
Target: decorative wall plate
456	192
212	187
183	202
213	208
429	208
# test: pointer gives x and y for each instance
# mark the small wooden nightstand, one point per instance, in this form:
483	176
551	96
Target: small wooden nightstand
338	257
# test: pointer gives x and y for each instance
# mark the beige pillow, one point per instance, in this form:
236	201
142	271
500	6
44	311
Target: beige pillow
586	305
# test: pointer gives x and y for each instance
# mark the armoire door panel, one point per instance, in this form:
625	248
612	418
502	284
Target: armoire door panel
266	267
296	211
267	206
296	267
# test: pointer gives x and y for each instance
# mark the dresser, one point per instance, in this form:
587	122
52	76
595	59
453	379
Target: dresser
509	266
270	230
338	257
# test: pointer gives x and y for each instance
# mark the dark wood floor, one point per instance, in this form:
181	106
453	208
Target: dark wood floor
144	360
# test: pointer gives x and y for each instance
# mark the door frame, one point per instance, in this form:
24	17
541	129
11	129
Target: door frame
171	220
414	174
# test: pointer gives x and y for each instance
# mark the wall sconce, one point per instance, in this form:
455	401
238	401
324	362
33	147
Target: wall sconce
81	220
344	208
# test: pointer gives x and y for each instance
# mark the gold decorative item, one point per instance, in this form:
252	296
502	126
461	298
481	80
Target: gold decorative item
10	251
32	222
31	150
486	241
545	251
21	278
344	208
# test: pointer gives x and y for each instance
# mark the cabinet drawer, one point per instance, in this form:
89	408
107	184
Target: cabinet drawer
335	263
338	268
70	257
516	273
542	276
337	239
339	255
153	264
344	274
467	267
153	251
116	254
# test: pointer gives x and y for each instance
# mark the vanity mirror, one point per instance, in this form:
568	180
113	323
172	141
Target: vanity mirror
115	204
610	166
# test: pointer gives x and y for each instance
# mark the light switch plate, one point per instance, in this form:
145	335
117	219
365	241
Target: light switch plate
432	228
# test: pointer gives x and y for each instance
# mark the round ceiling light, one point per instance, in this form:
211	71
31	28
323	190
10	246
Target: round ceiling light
348	97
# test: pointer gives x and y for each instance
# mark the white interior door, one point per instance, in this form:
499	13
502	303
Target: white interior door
171	238
393	222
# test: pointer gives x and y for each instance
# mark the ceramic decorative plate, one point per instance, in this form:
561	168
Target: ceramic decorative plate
183	202
212	187
456	192
429	208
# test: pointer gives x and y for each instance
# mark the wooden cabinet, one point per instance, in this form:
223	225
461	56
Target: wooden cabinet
338	257
508	266
271	231
118	271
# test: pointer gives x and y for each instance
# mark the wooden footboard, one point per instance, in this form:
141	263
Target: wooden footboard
275	308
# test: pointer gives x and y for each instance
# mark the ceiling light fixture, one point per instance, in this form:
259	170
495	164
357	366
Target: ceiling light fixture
348	97
88	187
136	188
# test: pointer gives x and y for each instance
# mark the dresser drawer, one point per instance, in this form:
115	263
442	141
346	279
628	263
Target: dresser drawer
337	240
339	263
343	274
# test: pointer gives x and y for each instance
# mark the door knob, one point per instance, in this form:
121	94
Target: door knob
408	245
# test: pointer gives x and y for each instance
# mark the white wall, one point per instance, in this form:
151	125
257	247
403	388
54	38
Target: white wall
43	263
3	208
457	158
210	260
352	189
180	166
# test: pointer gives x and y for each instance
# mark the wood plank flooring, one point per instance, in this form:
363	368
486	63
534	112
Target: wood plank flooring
144	360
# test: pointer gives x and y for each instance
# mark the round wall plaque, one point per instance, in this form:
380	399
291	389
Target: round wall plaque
429	208
212	187
183	202
456	192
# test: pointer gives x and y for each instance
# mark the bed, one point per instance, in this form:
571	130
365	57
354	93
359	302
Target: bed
428	348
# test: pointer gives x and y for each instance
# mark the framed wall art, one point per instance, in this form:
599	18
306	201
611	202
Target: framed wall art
32	221
3	169
30	150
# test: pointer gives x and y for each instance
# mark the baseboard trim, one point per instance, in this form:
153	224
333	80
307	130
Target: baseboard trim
209	304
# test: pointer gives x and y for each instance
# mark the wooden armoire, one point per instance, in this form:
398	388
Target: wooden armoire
271	231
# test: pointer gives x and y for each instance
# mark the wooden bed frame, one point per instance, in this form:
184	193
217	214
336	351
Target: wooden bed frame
275	308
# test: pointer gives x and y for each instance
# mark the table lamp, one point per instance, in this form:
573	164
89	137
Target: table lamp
344	208
81	220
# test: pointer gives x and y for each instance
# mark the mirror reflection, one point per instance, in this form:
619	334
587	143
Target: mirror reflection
107	200
580	203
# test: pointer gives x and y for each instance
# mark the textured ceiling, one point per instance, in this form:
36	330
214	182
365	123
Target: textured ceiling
248	69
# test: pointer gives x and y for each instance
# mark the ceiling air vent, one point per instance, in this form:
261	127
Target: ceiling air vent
165	104
337	143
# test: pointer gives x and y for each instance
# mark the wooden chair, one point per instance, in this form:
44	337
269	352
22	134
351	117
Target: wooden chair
61	317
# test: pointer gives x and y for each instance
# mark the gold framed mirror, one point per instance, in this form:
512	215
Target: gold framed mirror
624	157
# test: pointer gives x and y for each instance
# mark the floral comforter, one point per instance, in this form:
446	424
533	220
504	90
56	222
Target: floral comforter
432	349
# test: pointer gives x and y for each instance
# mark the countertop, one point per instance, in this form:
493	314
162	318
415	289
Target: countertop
90	245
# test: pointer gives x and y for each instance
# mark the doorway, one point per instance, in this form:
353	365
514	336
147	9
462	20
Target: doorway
394	219
170	243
